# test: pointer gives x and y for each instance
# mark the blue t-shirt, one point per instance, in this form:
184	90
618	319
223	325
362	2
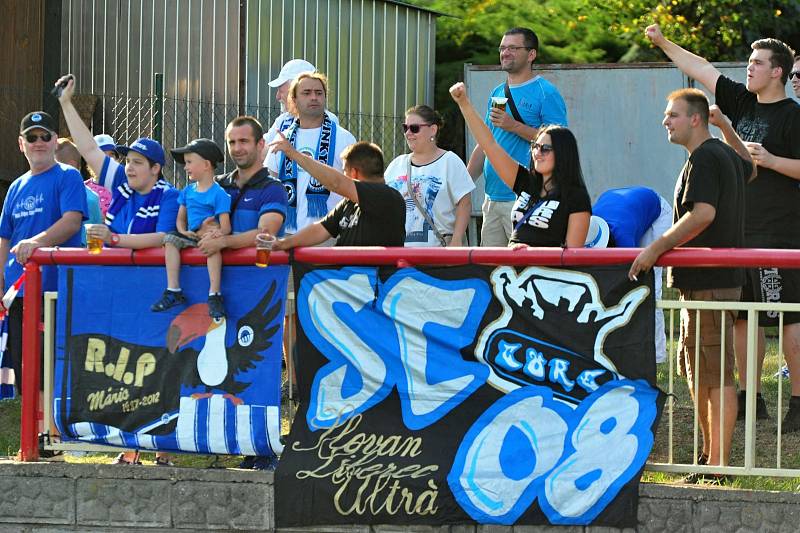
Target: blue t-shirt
629	212
167	211
201	205
262	194
112	175
539	103
33	204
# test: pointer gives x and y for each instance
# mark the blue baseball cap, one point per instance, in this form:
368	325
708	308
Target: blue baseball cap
149	148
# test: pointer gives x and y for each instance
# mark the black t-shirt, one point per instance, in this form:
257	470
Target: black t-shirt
772	199
543	221
714	174
378	219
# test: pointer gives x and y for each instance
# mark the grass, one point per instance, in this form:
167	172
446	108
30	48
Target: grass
766	431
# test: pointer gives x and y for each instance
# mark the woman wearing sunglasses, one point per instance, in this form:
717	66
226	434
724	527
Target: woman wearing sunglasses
553	206
434	183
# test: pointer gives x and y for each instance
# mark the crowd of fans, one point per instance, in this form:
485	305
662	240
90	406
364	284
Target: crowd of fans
308	182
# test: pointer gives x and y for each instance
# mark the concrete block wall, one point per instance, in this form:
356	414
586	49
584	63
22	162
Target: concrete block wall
57	497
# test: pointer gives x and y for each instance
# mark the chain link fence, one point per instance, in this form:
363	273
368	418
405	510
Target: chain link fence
175	121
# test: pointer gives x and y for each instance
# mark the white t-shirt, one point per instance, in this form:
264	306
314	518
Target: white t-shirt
439	186
273	130
306	142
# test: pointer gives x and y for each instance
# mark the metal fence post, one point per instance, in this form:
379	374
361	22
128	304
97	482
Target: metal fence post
750	399
31	348
158	106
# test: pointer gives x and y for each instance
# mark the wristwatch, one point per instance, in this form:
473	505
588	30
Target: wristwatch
114	239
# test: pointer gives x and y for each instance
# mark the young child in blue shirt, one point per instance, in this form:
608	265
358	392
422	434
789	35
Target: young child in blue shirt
201	200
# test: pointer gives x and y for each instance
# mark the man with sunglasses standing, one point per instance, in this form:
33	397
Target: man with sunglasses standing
44	207
516	111
794	76
769	124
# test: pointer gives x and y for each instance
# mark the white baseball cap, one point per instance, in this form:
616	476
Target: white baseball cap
105	142
291	70
598	234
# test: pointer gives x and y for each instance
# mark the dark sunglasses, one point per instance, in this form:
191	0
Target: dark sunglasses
542	148
33	137
794	74
413	127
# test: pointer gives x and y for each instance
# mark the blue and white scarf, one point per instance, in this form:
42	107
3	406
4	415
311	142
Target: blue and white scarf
146	218
316	194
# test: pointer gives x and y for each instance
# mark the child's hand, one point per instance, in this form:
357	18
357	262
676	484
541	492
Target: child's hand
190	234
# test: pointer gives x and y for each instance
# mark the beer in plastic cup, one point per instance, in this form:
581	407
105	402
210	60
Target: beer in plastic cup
264	242
499	102
93	244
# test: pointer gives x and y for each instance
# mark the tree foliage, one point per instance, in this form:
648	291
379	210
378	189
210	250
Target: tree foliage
603	31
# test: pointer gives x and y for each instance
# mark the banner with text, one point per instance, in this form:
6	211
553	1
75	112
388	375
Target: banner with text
175	380
470	394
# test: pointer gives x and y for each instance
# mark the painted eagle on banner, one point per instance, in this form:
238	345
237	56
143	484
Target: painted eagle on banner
112	385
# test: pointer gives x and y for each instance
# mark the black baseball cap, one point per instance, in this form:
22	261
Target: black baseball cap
205	148
37	119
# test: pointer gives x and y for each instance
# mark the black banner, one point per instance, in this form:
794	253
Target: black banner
470	394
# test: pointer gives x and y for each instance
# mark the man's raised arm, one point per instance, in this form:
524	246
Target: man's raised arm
83	138
329	177
690	64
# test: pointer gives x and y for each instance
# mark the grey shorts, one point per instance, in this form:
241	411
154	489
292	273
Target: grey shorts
179	240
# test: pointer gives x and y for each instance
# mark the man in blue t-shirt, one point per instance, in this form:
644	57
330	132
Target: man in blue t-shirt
534	100
43	207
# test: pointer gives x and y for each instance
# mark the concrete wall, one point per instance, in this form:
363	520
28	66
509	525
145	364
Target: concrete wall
54	497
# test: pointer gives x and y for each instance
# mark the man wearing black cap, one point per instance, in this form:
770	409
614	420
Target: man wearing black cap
204	200
44	207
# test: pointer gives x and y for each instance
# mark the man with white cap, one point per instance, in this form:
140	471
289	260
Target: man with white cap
287	75
43	207
314	132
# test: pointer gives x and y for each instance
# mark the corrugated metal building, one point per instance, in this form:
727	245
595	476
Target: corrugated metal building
218	55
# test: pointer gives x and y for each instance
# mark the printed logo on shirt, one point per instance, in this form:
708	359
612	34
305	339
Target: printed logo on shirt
754	130
540	218
313	184
28	206
425	188
771	287
350	221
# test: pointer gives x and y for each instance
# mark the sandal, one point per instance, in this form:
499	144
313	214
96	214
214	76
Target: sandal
120	460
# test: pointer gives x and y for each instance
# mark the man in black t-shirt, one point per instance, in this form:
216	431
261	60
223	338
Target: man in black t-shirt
709	200
769	123
370	214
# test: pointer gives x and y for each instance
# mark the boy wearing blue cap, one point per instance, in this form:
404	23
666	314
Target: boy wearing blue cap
201	200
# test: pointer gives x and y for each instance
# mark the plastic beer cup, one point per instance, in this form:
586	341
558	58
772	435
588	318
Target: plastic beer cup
264	242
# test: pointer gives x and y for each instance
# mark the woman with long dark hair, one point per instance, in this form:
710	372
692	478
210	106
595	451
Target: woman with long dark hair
553	206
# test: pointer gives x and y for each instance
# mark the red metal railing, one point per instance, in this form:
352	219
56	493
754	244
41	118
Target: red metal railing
32	301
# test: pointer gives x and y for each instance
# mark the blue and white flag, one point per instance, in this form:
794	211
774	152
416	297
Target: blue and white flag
176	380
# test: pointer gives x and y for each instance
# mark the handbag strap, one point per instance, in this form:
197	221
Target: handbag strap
527	214
511	105
420	208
